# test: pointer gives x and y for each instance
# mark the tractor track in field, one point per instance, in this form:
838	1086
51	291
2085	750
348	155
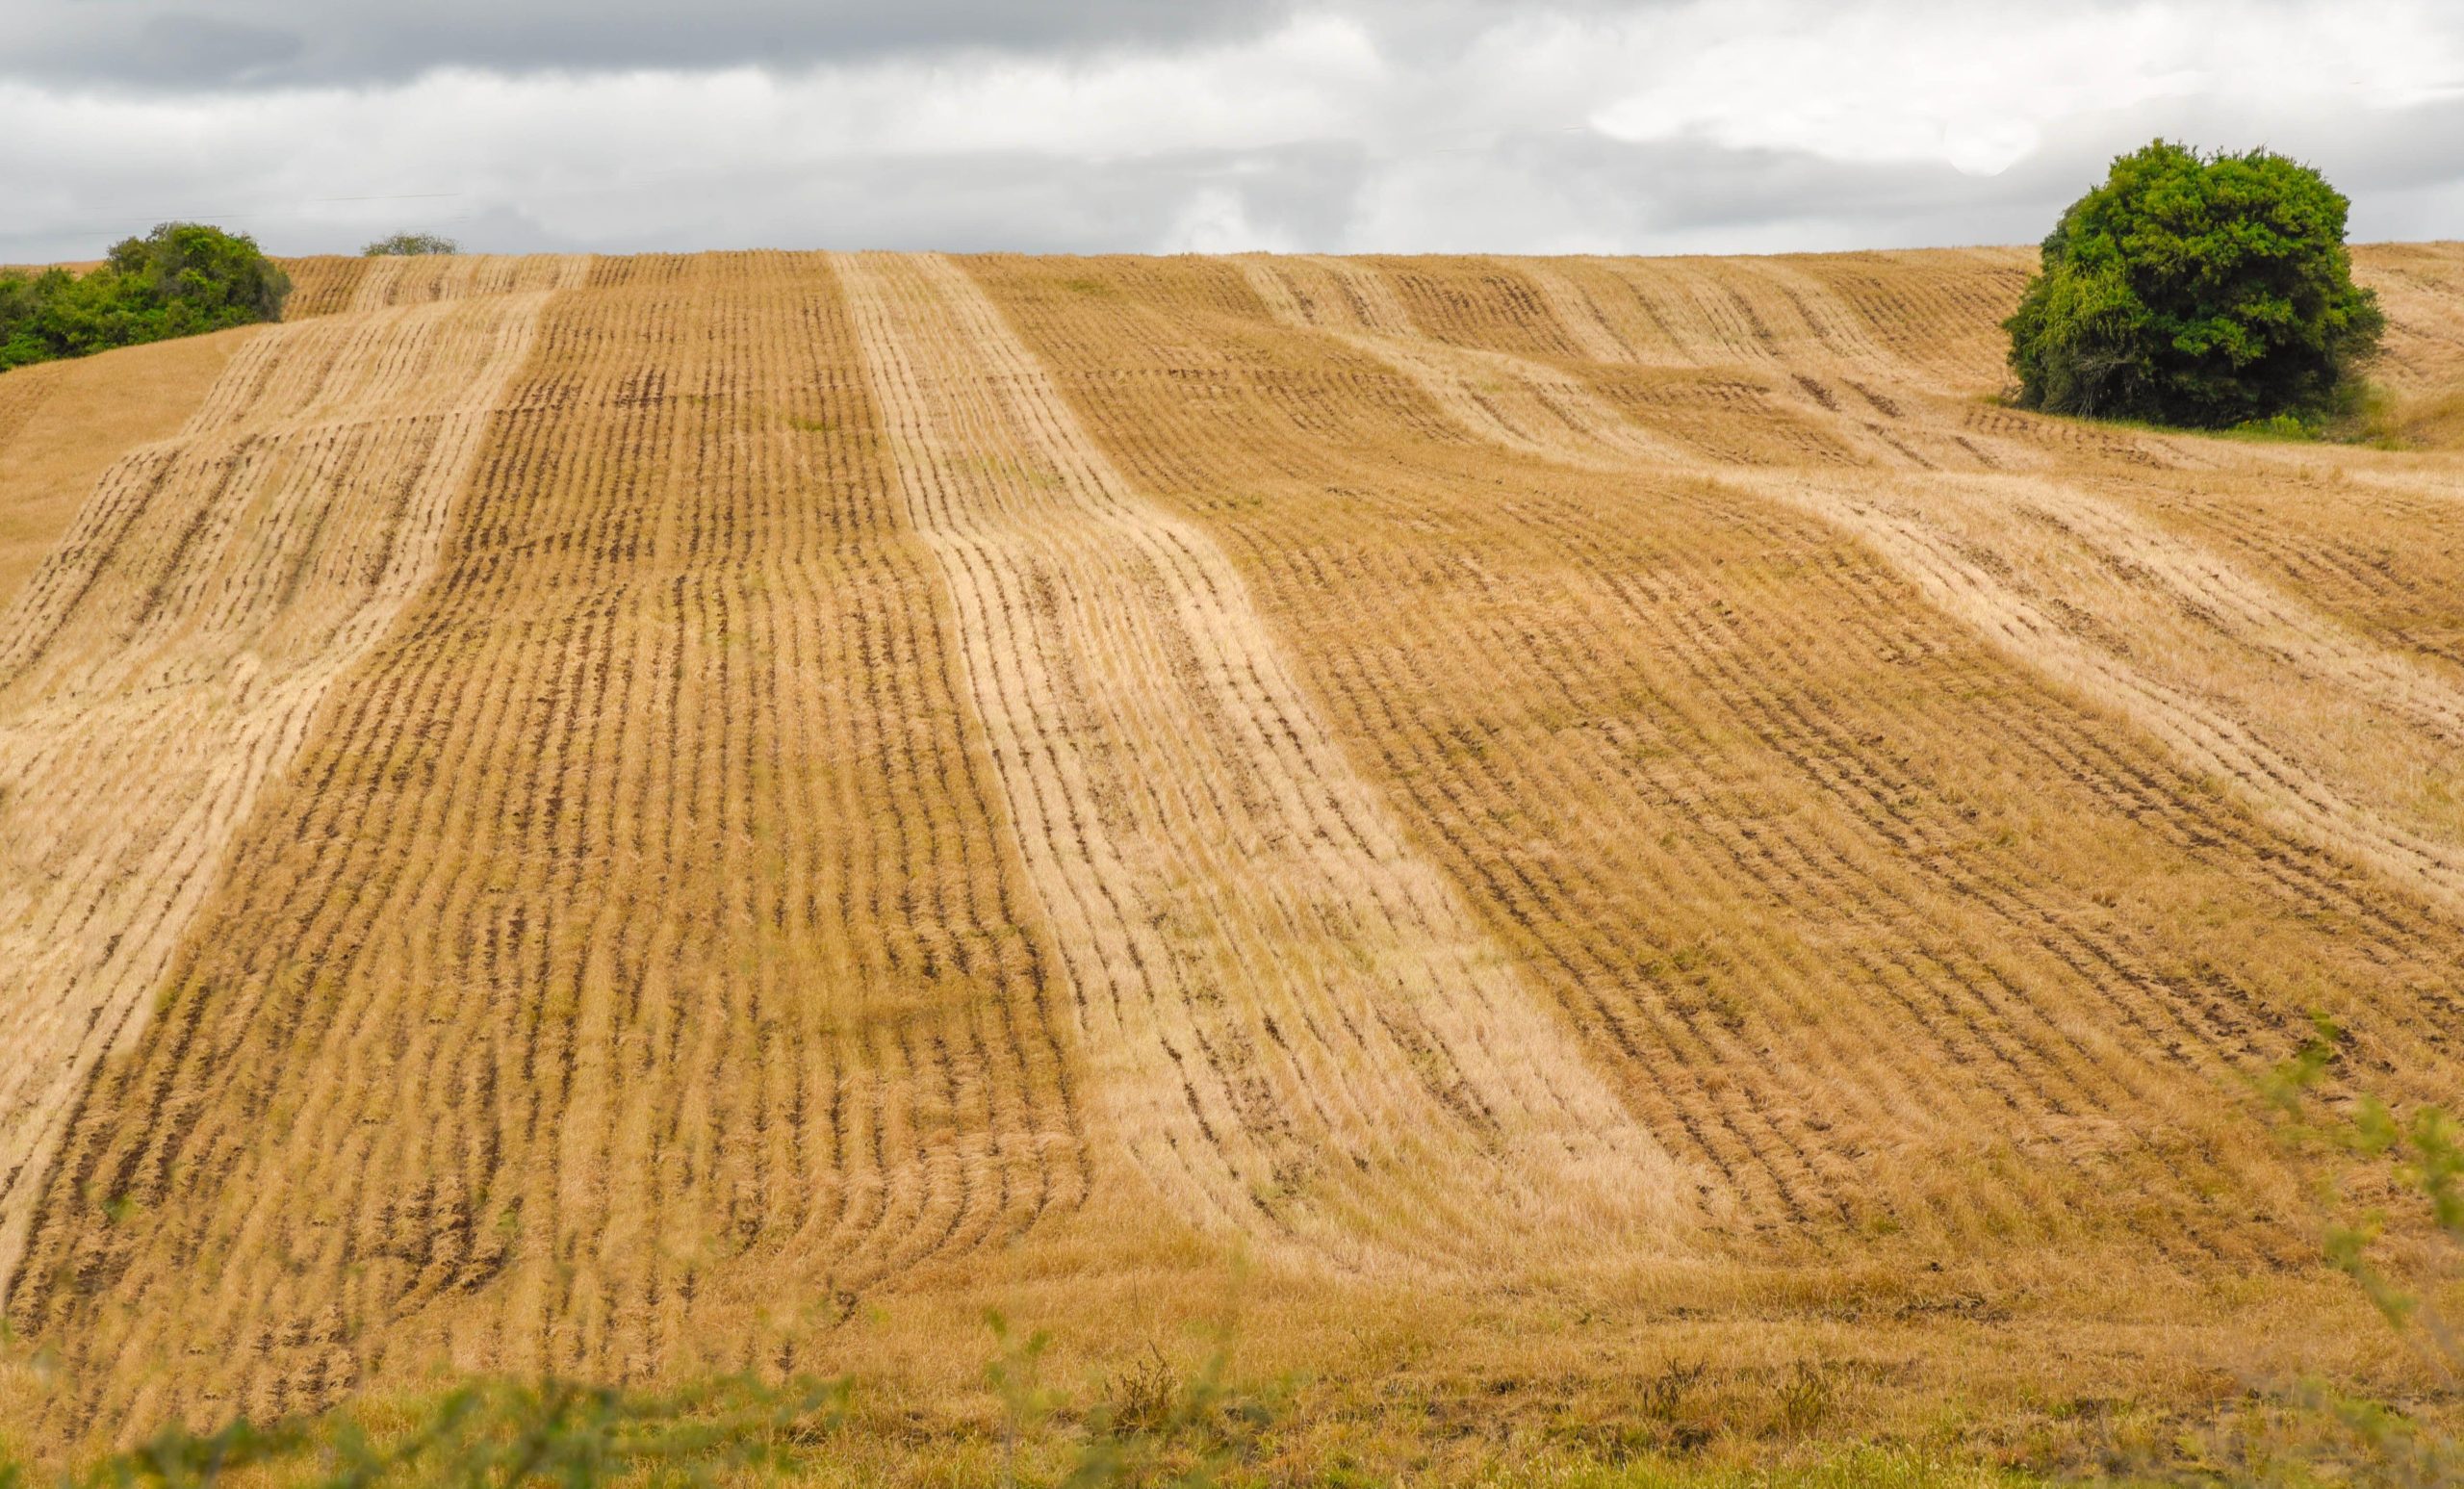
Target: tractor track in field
630	817
2153	1020
1142	725
163	665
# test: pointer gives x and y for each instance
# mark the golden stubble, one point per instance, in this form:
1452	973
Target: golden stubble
1523	796
2327	730
1300	1033
164	662
1895	926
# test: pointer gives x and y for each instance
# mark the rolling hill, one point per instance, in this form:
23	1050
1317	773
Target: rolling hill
1511	822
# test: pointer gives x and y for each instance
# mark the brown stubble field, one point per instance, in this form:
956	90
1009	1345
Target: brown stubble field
1497	824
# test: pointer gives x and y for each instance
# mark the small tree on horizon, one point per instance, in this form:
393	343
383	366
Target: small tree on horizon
2196	290
405	244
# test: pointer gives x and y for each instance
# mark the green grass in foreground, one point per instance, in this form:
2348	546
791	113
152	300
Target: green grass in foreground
739	1432
1151	1425
2365	413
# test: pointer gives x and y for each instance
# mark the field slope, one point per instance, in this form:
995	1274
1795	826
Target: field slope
1530	818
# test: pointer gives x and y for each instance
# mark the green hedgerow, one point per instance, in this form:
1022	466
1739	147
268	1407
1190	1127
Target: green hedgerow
2200	291
181	279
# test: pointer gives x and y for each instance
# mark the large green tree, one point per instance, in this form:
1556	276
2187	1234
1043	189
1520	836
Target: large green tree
2196	290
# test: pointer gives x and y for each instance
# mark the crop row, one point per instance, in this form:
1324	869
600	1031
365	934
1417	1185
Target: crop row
628	971
164	664
1693	752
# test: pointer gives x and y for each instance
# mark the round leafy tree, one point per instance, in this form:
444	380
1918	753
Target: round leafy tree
411	244
201	277
2204	291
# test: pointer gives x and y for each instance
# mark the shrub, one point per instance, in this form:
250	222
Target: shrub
181	279
406	244
2204	291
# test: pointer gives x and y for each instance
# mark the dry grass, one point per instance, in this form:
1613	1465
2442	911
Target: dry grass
2433	421
165	661
1568	816
64	423
323	285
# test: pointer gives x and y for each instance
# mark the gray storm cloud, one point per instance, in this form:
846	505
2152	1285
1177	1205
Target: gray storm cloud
257	44
1452	125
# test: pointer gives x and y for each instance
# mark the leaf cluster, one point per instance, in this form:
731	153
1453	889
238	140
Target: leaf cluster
410	245
2421	1152
181	279
2204	291
2419	1157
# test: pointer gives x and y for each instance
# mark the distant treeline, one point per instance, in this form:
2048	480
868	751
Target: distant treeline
181	279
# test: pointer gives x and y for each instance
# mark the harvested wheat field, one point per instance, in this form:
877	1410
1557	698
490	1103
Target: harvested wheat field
1492	830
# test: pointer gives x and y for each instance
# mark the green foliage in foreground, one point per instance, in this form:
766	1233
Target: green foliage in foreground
1151	1423
2413	1160
493	1433
181	279
497	1437
410	244
2198	291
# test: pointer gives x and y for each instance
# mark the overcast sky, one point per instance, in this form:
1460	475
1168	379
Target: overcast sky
1156	126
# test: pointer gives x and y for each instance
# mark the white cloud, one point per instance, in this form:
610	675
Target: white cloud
1216	219
1442	125
1978	88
